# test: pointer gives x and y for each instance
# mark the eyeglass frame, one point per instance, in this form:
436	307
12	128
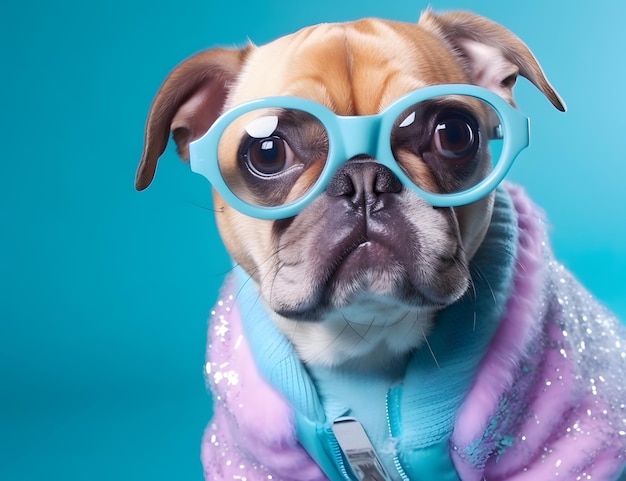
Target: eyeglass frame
350	136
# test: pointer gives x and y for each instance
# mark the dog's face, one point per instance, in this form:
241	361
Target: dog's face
359	273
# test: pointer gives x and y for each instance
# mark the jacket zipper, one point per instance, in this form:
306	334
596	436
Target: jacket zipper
392	406
337	454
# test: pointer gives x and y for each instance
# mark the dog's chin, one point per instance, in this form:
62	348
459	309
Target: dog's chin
370	316
370	333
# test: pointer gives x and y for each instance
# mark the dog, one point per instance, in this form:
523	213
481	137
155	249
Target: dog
395	311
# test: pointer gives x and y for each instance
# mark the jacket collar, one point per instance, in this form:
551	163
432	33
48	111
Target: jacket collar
432	391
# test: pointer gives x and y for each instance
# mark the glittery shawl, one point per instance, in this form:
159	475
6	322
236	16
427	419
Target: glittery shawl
547	401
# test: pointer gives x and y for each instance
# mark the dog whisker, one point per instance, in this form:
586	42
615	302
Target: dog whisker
363	337
432	353
326	348
248	279
207	209
483	278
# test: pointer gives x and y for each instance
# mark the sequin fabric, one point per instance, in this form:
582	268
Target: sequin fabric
252	434
223	376
561	414
561	409
564	417
222	454
586	345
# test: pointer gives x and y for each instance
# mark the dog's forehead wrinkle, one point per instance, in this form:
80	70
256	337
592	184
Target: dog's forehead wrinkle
381	73
354	68
345	67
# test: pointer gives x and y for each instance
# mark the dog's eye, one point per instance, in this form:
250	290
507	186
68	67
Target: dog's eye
268	156
456	137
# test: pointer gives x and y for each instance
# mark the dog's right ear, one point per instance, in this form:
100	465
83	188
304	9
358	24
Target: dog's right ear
190	99
492	54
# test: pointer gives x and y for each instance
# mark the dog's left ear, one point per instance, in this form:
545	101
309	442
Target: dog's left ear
493	56
189	101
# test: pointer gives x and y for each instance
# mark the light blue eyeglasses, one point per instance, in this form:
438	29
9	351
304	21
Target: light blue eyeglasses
451	144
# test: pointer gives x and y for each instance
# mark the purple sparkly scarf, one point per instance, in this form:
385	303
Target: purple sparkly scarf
549	400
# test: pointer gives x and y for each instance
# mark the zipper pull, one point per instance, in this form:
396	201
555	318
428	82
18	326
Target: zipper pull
358	450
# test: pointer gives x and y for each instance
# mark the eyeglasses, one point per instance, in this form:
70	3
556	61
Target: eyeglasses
271	157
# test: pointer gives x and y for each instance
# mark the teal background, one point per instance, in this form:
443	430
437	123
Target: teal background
104	292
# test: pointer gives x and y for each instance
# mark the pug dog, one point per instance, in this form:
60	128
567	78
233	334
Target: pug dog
394	311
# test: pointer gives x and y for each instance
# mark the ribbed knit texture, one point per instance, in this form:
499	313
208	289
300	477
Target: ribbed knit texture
436	383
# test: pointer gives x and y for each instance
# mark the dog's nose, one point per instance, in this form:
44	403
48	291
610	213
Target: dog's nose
362	179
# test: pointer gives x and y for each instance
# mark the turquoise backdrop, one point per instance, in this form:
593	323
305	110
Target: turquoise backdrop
104	292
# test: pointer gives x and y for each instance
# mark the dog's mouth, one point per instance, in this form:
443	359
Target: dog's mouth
362	256
407	254
366	262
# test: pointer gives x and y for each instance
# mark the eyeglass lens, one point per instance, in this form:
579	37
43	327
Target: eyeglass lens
272	157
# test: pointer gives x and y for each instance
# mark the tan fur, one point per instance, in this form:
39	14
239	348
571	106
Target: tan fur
417	169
